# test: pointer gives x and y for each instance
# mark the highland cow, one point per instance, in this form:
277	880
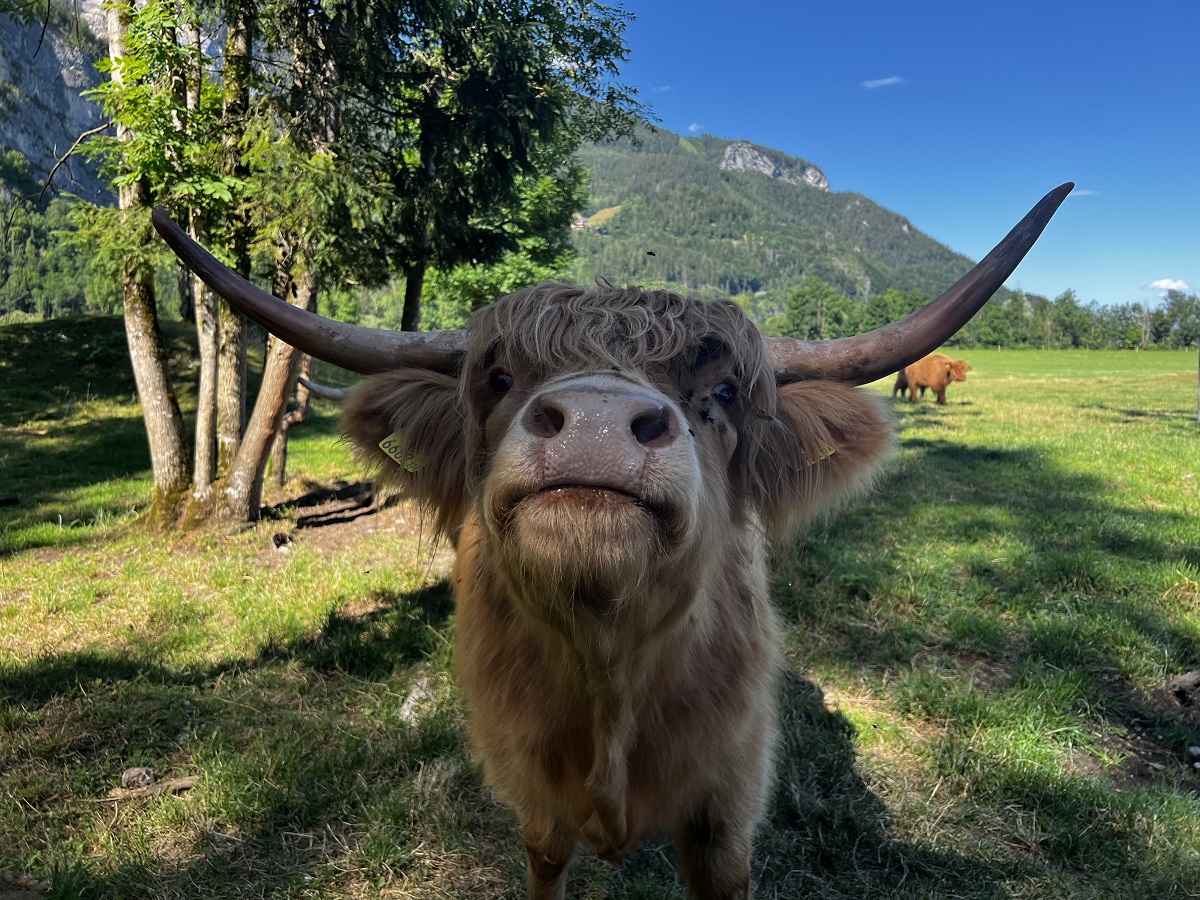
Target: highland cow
609	464
935	372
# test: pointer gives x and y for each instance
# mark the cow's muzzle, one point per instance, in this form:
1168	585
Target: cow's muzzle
602	432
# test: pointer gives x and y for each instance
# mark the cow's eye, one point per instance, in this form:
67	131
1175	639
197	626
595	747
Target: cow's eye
725	392
500	382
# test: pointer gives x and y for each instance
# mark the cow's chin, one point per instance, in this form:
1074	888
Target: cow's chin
586	546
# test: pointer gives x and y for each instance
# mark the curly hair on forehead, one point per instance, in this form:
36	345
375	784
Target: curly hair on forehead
562	328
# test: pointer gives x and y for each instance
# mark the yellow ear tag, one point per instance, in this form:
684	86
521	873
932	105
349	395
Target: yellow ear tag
827	451
394	446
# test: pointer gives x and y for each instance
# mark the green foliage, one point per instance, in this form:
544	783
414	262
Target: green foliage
43	273
486	101
17	180
816	311
174	150
543	252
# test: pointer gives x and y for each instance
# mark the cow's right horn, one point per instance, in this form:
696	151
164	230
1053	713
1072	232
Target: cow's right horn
362	350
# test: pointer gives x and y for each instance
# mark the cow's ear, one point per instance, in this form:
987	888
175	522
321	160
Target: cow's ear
824	445
407	425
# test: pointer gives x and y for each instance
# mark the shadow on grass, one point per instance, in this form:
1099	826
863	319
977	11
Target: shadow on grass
43	474
395	631
1182	421
1066	586
69	369
294	758
336	504
299	772
300	769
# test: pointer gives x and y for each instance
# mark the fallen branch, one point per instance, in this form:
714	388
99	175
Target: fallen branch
169	786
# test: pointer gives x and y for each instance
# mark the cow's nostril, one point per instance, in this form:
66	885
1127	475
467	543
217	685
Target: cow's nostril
650	426
546	421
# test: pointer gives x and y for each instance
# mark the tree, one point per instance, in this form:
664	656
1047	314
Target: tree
1182	313
477	98
880	309
541	227
808	310
160	409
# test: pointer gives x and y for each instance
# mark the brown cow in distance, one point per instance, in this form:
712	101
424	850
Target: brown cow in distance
935	372
610	463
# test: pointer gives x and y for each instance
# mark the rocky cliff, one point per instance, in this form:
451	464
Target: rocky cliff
742	156
42	74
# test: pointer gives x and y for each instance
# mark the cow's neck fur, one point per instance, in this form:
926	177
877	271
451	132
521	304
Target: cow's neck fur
612	657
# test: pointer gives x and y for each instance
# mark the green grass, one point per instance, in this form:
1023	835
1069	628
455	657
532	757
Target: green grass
975	705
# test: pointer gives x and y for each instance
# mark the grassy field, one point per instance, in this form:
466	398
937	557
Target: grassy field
976	704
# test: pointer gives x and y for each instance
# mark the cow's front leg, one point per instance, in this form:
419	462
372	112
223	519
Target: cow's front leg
549	850
714	853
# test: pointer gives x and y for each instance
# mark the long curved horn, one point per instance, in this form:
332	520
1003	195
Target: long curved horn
874	354
362	350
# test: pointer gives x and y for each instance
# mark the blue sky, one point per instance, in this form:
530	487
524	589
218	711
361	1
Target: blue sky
961	115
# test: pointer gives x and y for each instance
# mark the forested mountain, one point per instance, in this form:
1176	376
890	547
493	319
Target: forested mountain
728	217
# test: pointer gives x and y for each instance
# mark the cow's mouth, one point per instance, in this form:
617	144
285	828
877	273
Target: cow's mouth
587	493
583	502
596	498
580	502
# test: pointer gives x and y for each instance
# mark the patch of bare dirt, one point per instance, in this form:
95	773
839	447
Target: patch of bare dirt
332	517
1149	715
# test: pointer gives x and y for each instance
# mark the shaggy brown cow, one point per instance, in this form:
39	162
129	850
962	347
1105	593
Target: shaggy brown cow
609	463
935	371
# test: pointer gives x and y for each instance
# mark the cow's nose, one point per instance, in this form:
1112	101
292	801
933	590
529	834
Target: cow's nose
584	413
599	433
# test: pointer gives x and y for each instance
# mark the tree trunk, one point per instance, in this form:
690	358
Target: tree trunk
231	384
243	489
414	283
147	353
284	285
231	367
207	340
205	307
299	414
160	409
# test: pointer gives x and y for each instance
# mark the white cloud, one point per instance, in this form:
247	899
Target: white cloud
694	127
1170	284
663	89
1083	192
883	82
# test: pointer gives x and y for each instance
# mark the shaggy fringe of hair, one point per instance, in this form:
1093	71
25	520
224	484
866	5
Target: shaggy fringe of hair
563	328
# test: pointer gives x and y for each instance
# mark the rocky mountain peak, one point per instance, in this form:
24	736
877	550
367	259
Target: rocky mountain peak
742	156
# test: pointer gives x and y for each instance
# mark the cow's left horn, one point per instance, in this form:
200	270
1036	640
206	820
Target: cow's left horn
874	354
362	350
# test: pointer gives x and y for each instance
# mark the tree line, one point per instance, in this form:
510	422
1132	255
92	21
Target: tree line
1012	319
